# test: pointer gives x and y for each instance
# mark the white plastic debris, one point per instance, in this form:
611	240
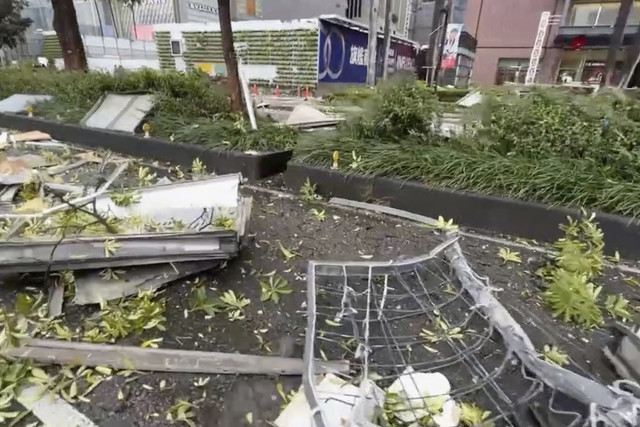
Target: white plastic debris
341	404
450	416
416	393
335	396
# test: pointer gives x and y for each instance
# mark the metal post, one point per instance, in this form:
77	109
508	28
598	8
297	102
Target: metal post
565	12
387	37
95	3
373	40
441	41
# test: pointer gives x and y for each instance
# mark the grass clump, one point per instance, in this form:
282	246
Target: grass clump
225	132
555	181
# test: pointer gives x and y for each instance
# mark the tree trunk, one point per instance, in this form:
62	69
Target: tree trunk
373	42
65	23
616	40
230	60
387	37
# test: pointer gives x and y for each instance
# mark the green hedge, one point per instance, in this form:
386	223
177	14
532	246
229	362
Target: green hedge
551	147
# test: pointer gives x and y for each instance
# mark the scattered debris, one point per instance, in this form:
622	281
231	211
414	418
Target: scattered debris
116	111
376	310
164	360
17	103
34	135
50	224
625	354
337	398
92	287
305	117
470	99
51	409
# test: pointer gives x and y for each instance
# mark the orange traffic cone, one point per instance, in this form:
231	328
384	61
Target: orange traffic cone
277	90
307	94
255	89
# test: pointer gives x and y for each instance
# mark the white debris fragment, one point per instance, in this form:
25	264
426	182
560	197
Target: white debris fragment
51	409
340	402
419	394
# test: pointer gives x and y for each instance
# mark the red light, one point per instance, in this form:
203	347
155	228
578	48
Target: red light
578	42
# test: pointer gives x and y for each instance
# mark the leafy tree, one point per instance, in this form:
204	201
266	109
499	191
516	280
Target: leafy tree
12	25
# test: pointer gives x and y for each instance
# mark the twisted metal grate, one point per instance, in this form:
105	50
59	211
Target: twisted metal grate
432	314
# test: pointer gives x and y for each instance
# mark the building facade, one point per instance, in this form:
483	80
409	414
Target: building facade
589	26
328	51
422	18
505	37
356	10
574	49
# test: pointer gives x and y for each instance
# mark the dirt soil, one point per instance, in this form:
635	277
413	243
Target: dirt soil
226	400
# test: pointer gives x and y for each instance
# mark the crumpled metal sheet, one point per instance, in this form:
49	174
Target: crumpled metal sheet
20	255
92	288
17	103
195	203
18	169
608	405
122	112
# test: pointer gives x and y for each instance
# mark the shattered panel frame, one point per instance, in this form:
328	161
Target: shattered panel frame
434	314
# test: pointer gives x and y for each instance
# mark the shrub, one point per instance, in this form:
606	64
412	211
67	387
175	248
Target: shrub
186	94
552	123
227	133
396	111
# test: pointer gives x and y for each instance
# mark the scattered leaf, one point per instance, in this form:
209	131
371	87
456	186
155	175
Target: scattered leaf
553	354
508	256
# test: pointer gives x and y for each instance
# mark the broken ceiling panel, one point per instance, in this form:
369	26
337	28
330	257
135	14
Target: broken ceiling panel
197	204
95	286
418	329
18	255
121	112
304	116
18	102
119	239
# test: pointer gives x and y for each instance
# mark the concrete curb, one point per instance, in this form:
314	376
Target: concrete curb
253	167
495	214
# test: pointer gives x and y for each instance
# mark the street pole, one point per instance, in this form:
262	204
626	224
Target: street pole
373	40
433	39
442	35
387	37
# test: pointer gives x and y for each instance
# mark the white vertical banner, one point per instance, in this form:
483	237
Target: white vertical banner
537	48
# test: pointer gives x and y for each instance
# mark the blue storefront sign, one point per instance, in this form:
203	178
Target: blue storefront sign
343	55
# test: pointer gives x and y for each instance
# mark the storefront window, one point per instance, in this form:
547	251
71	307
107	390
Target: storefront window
512	70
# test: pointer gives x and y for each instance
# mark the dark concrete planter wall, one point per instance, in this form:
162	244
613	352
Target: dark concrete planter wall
495	214
253	167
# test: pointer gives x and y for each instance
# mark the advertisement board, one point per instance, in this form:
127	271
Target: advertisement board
450	51
343	55
198	11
